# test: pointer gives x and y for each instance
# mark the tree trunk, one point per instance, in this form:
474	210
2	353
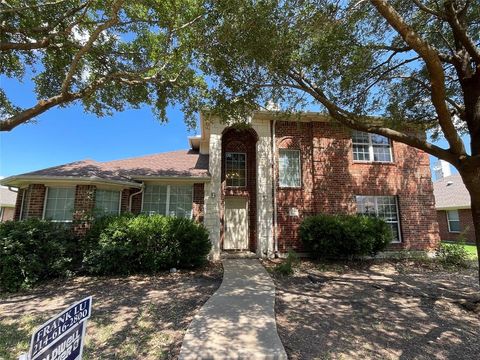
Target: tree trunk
472	182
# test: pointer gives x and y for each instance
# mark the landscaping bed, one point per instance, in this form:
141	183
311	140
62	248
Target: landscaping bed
380	309
132	317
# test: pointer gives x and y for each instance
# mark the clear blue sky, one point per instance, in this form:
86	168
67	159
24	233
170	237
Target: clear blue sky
64	135
68	134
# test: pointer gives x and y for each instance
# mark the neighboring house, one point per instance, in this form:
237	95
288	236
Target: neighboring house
7	203
251	186
454	213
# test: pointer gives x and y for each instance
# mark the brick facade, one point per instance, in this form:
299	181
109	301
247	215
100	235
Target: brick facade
331	179
242	141
466	225
34	199
83	207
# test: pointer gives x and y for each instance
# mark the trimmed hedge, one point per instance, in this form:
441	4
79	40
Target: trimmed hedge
129	244
34	250
344	236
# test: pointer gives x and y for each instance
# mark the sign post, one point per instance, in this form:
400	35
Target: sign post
61	337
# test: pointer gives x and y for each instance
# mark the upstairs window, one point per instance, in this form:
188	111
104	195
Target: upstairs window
289	168
385	207
236	169
107	202
169	200
59	204
453	220
371	147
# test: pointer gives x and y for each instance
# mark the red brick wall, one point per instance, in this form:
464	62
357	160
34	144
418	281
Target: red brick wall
198	202
330	181
136	201
466	225
242	141
84	205
33	205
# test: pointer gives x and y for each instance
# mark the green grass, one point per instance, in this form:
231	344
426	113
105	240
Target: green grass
471	249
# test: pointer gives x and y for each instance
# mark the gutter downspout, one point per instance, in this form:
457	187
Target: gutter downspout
132	195
275	219
10	188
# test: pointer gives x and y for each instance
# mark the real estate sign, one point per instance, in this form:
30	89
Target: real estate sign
61	337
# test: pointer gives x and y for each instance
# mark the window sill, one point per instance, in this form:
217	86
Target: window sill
374	162
290	187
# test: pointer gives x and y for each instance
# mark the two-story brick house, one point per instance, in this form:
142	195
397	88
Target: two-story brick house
251	186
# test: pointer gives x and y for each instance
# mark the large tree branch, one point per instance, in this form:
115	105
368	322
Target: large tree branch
361	123
434	67
41	44
123	77
427	9
460	33
86	48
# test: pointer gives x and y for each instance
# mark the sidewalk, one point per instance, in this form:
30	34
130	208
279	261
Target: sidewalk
238	321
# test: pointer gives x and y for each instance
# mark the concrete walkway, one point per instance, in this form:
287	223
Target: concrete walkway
238	321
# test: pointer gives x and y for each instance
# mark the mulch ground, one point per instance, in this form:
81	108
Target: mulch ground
378	310
135	317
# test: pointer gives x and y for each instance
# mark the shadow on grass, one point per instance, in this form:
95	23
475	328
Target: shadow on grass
375	311
132	317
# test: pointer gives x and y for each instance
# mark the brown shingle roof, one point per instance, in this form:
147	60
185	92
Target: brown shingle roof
450	192
182	163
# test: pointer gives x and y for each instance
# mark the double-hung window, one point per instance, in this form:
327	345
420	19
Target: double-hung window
169	200
59	204
453	220
385	207
371	147
236	169
289	168
107	202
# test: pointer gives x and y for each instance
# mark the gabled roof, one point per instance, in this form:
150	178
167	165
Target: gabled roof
175	164
7	197
451	193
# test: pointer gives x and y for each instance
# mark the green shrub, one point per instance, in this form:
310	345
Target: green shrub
34	250
286	267
453	255
344	236
128	244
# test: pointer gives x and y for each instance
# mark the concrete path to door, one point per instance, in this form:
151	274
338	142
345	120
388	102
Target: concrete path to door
238	321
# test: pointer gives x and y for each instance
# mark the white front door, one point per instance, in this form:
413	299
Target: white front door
236	224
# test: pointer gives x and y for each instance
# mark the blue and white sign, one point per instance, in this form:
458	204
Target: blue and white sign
61	338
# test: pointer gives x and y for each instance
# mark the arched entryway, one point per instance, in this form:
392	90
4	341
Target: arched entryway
239	186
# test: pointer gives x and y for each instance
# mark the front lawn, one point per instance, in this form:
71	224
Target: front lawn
132	317
378	310
472	250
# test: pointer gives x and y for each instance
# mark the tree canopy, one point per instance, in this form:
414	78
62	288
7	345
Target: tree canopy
108	55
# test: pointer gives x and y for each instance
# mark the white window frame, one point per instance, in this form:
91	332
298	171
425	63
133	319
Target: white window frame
448	221
47	188
167	202
119	198
370	150
246	169
375	198
299	186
